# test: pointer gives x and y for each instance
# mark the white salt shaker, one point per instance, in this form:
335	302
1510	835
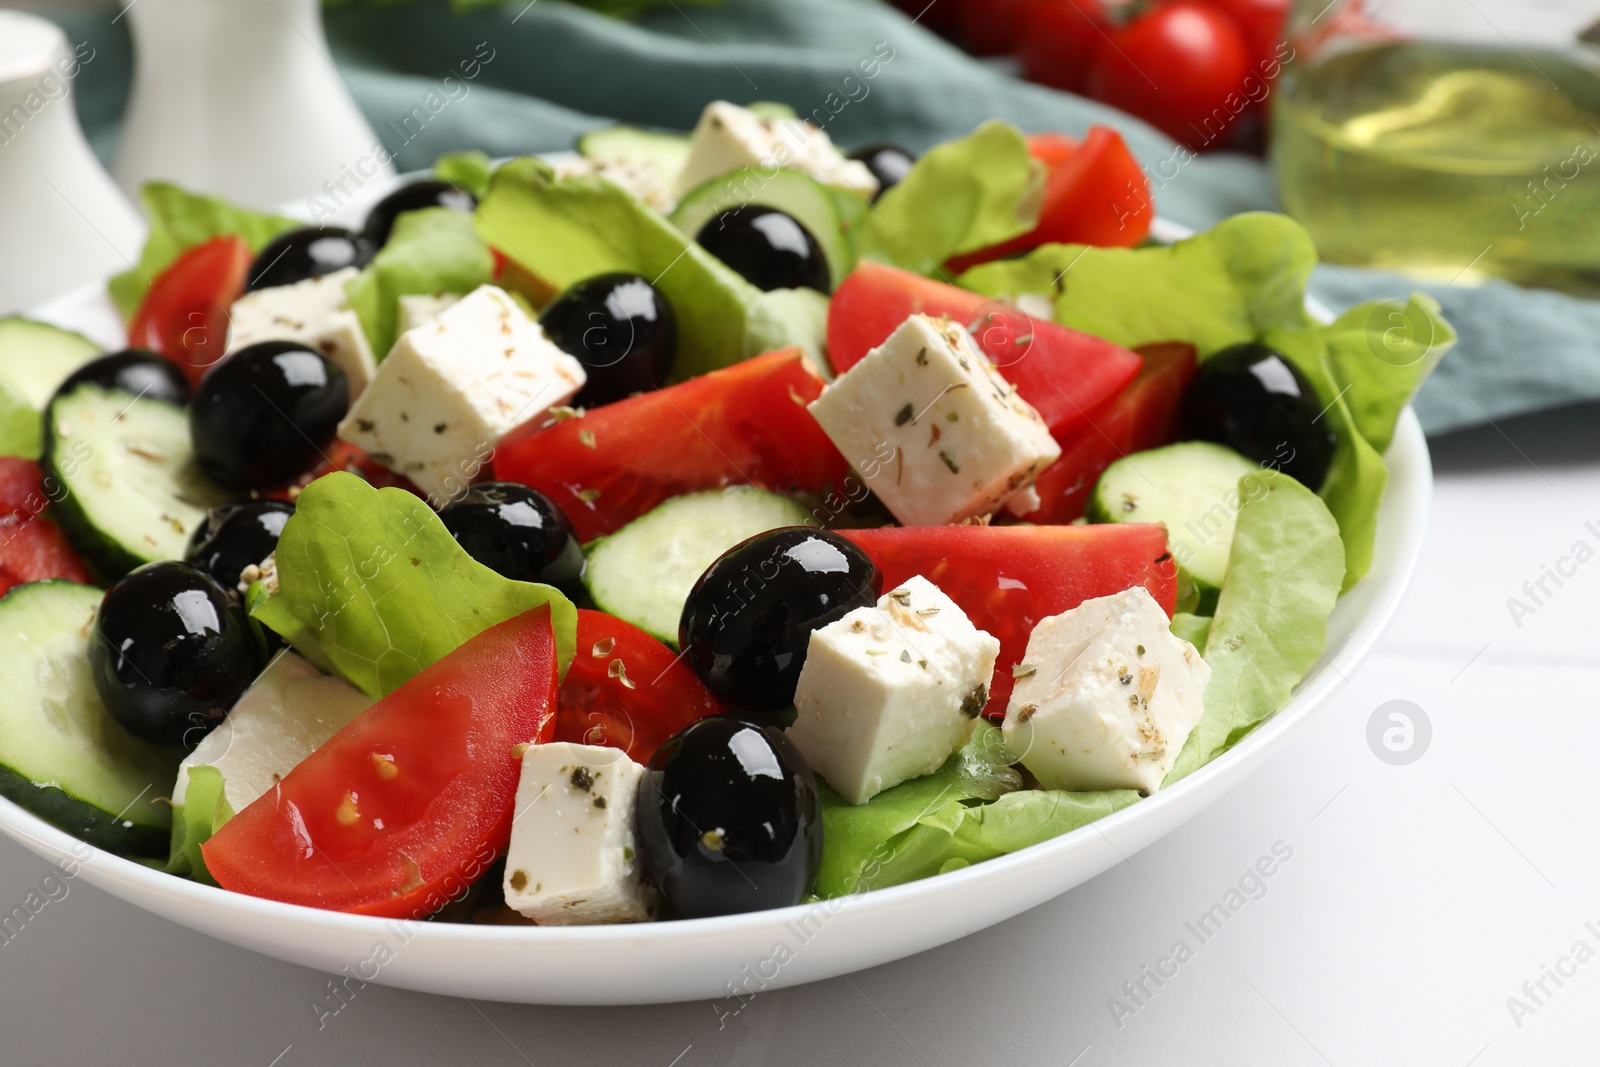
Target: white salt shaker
240	99
63	222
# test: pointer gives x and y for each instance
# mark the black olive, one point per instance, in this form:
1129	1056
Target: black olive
729	819
770	249
309	253
236	536
518	532
748	620
261	416
1252	399
621	329
134	371
412	197
171	652
888	163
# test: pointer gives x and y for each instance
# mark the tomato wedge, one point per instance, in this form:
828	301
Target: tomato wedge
1095	194
31	547
1061	372
403	808
1144	416
344	456
184	316
627	690
1007	578
745	425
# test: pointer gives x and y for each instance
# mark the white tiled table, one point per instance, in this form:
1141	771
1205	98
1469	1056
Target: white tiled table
1417	900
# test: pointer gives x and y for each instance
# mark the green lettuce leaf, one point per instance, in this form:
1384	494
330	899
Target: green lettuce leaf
471	171
961	196
1231	283
180	220
435	250
202	813
858	837
372	584
1271	625
1195	629
1371	360
570	229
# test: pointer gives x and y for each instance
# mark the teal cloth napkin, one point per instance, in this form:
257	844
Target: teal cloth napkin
557	70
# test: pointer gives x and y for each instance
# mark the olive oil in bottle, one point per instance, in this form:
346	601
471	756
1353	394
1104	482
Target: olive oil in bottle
1445	161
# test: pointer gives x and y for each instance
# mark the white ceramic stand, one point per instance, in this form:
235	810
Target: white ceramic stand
238	98
62	220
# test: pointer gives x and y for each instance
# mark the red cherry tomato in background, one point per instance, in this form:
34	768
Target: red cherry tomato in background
636	706
1058	42
993	27
184	316
1262	23
1176	67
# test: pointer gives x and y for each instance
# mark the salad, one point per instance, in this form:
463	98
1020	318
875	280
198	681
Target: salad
688	526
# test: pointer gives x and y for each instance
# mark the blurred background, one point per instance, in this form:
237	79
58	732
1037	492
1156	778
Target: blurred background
1451	145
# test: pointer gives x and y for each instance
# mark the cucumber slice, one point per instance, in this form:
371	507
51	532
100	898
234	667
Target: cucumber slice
35	358
812	204
62	756
1192	488
643	573
133	491
666	152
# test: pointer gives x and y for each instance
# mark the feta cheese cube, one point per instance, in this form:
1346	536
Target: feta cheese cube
451	388
1106	696
288	712
641	178
420	309
934	430
888	693
572	857
315	313
729	137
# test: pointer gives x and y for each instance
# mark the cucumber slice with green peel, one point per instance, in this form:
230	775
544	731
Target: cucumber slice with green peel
1193	489
62	756
133	492
643	573
811	204
631	145
35	358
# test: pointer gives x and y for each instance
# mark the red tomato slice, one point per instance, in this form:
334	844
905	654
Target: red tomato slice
744	425
1262	23
1095	194
344	456
184	316
406	806
636	706
31	548
1063	373
1007	578
34	551
1144	416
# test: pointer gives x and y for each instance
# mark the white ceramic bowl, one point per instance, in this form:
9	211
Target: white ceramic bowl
744	954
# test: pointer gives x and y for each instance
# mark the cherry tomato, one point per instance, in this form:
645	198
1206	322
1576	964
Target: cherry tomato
184	316
627	690
1058	42
992	27
1261	22
409	804
1180	67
